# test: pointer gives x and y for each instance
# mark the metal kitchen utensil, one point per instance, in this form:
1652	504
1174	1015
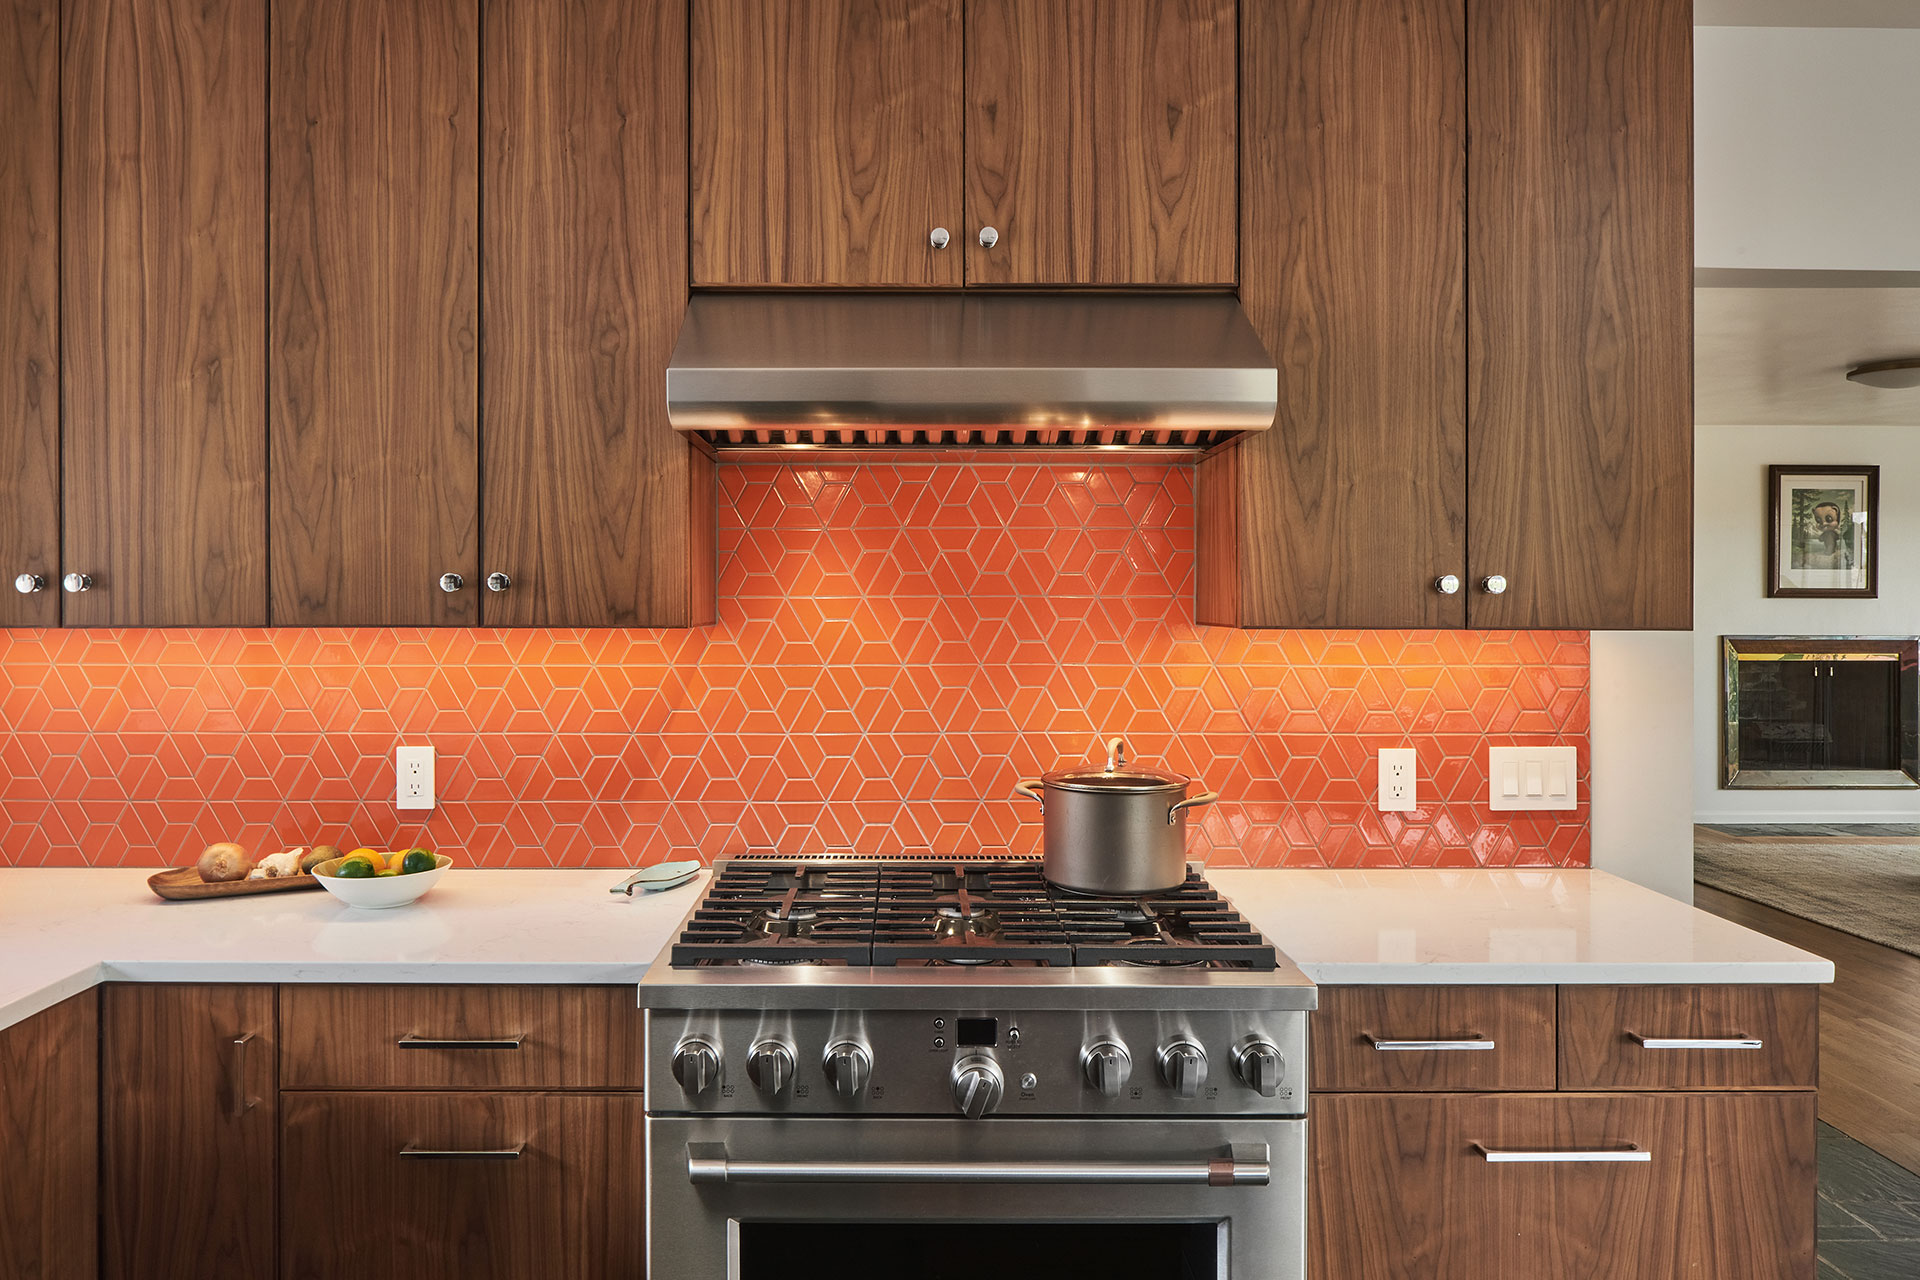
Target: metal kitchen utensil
1117	830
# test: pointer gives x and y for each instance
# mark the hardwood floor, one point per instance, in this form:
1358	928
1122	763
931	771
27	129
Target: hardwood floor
1869	1027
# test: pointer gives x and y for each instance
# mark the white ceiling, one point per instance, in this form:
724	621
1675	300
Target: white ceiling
1765	356
1806	13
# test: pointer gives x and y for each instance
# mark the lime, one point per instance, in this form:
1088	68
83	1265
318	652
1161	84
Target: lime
354	868
418	860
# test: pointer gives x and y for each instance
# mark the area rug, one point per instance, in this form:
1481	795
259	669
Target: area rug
1865	886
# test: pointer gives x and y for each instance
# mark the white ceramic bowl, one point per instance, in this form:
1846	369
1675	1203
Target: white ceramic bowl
378	892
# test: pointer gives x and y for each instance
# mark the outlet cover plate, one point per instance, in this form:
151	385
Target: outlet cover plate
413	777
1532	778
1398	784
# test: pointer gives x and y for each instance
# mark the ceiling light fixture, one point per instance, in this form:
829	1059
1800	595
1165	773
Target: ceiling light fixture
1895	374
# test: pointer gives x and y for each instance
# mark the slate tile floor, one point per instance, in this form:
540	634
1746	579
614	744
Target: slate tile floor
1869	1213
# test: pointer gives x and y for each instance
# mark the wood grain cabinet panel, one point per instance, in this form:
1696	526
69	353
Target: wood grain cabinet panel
529	1187
1101	141
1604	1030
517	1037
30	317
163	283
1399	1189
189	1116
1353	271
596	510
375	324
1580	257
826	142
1518	1022
49	1124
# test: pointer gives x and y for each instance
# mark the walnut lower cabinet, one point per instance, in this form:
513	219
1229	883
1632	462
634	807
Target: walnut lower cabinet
1715	1178
49	1132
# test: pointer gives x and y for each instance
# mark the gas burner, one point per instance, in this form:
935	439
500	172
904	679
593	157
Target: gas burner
786	921
1174	961
963	919
774	962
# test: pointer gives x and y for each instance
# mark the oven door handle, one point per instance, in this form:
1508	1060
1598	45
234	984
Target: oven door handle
1246	1164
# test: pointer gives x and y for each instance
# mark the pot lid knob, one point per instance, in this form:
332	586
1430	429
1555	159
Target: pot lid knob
1116	754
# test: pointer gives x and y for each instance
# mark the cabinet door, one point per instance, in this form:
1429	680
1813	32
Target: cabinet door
826	141
50	1119
163	283
188	1121
1101	141
30	314
1580	262
375	345
1352	269
469	1186
1399	1187
596	511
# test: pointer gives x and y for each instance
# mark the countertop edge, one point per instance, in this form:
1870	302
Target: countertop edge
1569	974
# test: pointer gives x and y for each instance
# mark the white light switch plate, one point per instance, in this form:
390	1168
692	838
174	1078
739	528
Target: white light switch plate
1397	768
1532	778
413	777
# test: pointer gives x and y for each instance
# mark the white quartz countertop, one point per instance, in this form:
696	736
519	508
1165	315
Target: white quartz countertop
63	931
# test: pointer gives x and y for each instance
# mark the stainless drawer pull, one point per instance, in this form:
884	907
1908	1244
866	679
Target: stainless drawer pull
1422	1046
1241	1165
1657	1042
412	1041
241	1102
514	1152
1610	1155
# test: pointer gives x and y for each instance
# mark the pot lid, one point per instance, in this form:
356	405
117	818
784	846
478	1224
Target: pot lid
1127	780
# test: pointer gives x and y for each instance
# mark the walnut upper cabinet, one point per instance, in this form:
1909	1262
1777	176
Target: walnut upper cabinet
162	252
1466	237
927	143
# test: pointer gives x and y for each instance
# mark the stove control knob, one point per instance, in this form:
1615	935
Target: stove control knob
848	1066
977	1085
1183	1065
1107	1065
696	1065
770	1067
1259	1065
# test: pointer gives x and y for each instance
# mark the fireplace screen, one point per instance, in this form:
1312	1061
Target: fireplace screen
1821	712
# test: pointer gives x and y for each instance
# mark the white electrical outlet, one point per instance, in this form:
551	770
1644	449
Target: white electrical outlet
1397	766
413	777
1532	778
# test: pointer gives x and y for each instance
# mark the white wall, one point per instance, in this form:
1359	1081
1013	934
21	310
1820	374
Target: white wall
1729	593
1806	155
1642	779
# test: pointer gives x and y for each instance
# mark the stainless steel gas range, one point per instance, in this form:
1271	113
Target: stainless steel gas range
946	1067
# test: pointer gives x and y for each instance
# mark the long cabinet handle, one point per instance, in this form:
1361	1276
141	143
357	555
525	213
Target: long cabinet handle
1665	1042
241	1102
514	1152
412	1041
1464	1044
1241	1165
1605	1155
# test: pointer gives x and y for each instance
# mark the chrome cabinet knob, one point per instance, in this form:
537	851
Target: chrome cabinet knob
1183	1065
696	1065
978	1086
1259	1065
451	582
938	237
848	1066
770	1067
75	583
1447	584
498	582
28	583
989	237
1493	584
1107	1065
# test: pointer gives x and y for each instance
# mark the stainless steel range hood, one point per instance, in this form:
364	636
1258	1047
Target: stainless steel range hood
798	373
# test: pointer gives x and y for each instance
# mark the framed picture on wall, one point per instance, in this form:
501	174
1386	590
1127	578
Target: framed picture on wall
1823	534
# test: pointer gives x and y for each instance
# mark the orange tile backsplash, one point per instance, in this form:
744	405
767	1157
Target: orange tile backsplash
896	646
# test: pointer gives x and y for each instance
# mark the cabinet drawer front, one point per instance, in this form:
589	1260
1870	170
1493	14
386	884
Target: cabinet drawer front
1401	1186
485	1186
1433	1038
460	1038
1731	1037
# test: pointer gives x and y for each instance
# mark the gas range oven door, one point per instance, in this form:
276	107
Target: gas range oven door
862	1199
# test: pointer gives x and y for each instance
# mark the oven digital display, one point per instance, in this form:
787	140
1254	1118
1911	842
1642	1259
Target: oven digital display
978	1033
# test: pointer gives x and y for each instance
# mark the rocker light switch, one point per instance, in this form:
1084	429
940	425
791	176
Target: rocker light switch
1532	778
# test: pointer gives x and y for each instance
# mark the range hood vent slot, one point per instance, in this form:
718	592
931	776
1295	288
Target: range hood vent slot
768	374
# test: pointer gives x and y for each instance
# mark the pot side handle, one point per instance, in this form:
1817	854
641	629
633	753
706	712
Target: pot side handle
1031	791
1193	803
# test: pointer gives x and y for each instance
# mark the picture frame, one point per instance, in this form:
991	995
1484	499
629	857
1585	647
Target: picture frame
1823	532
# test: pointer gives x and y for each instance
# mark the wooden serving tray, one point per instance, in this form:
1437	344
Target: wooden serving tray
183	884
